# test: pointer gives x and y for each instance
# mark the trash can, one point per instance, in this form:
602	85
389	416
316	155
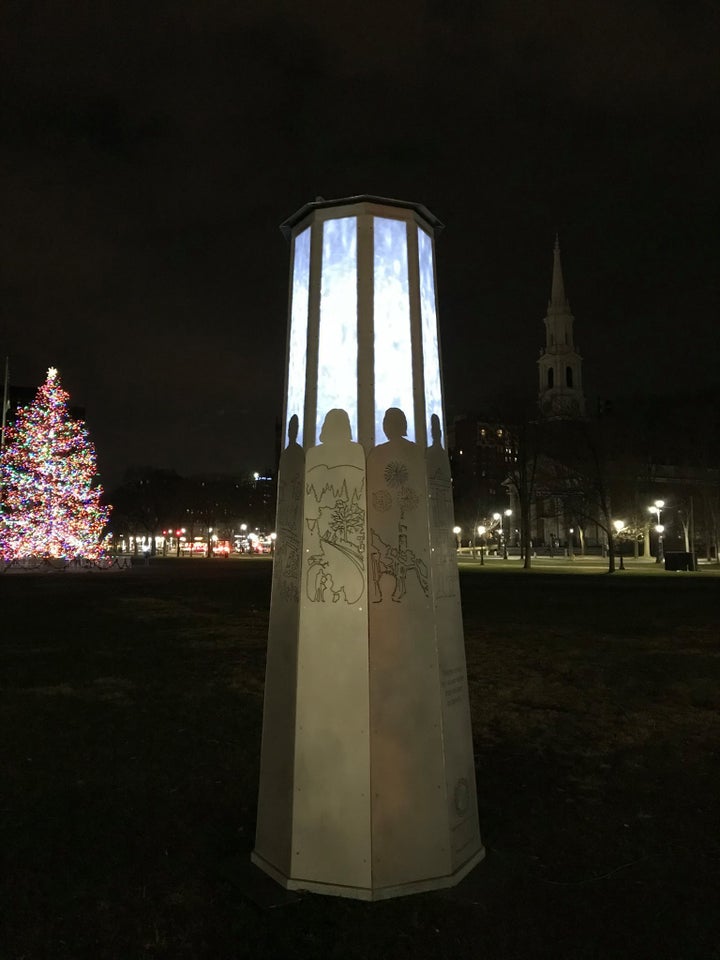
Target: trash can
679	561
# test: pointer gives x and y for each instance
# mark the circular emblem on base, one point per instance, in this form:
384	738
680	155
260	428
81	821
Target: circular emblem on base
382	500
396	474
462	796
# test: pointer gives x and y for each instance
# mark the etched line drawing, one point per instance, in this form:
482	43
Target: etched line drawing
289	519
396	474
441	515
395	560
335	515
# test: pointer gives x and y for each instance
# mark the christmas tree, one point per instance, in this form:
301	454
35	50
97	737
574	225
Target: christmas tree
49	506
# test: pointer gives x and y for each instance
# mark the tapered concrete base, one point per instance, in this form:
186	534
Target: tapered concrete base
367	775
368	893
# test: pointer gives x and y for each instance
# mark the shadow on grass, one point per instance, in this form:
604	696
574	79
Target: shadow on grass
131	719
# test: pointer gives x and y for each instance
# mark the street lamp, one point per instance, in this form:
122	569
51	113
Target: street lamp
481	534
619	526
497	517
457	531
659	528
179	536
508	514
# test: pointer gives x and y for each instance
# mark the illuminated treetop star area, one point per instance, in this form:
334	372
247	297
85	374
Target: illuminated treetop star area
49	506
151	150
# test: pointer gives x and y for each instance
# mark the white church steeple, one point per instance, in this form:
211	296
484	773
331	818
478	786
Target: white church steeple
560	365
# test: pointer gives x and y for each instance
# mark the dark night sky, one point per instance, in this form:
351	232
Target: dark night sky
150	150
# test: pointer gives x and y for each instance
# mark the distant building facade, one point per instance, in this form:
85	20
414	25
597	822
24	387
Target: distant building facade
482	453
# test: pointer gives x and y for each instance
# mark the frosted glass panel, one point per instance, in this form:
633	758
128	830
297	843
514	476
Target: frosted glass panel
431	355
393	355
297	359
337	352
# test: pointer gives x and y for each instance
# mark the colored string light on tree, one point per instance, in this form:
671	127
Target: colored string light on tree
49	501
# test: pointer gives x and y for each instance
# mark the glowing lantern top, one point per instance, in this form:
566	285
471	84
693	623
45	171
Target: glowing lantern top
363	332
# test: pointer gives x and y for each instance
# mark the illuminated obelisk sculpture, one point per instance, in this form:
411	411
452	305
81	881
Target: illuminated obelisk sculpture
367	778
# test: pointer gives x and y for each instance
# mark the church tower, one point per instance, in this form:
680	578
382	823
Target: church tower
560	365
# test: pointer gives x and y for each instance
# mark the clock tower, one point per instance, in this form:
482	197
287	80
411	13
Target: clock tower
560	365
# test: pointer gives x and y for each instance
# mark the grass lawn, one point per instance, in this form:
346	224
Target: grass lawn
131	708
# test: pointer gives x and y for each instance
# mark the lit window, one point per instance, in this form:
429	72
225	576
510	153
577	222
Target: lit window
337	350
428	312
298	331
393	355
